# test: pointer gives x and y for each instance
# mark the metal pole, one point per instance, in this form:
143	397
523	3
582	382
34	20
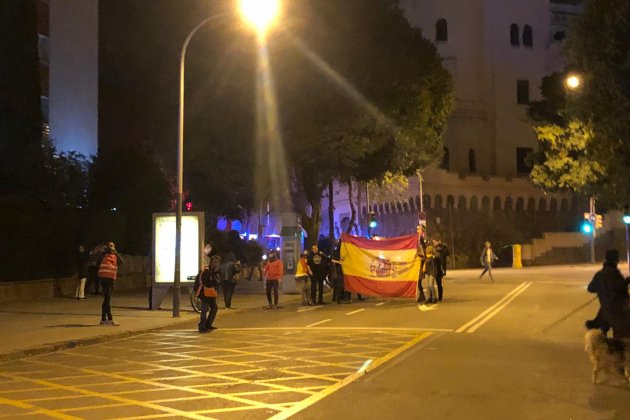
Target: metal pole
421	194
594	230
450	218
627	249
180	166
367	203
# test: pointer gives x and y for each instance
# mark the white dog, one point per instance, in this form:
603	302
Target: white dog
607	355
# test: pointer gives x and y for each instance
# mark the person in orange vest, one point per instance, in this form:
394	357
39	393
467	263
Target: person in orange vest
273	274
107	271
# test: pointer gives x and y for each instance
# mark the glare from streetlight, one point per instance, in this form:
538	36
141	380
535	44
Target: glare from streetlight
261	14
573	81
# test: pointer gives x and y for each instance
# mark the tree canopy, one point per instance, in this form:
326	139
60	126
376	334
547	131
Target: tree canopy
358	91
592	122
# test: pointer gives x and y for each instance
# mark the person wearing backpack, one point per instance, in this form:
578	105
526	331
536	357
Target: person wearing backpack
205	287
107	272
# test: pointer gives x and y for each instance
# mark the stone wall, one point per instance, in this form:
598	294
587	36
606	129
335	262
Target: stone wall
133	275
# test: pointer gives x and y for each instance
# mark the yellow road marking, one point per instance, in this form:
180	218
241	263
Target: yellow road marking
333	388
104	396
355	312
318	323
38	410
490	309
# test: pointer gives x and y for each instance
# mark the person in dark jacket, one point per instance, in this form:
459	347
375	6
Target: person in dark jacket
205	287
340	294
92	266
319	264
82	257
230	272
612	291
440	259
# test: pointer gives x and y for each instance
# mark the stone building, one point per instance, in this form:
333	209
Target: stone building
498	52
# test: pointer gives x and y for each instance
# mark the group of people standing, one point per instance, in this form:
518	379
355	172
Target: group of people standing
433	262
99	268
215	274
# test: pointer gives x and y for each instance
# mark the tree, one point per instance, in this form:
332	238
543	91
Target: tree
597	48
370	96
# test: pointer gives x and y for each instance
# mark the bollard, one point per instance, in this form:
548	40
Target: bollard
516	256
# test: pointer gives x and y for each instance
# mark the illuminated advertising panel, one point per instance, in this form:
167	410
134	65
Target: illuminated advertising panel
164	246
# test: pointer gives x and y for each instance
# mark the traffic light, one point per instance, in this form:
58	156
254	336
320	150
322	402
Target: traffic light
373	223
598	221
188	206
626	216
587	227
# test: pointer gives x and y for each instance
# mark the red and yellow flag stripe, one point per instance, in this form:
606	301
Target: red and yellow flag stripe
384	267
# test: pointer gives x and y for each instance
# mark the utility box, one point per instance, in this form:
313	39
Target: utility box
292	238
163	253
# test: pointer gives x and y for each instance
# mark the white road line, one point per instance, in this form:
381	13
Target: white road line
381	303
490	309
497	310
355	312
312	308
318	323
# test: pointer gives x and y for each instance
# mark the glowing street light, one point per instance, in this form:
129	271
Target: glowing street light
573	81
259	14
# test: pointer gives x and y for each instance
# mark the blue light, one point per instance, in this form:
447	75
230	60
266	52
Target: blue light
373	223
626	219
587	228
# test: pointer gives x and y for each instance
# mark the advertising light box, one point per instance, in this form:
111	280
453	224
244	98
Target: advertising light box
164	246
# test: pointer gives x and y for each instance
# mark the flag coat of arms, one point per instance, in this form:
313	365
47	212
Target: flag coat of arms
384	267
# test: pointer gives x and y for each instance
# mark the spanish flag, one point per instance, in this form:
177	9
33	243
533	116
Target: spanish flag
387	267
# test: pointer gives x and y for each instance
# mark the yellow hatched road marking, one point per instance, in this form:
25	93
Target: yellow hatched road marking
364	349
296	408
96	394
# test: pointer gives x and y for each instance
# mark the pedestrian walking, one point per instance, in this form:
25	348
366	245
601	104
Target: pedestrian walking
319	264
612	291
487	258
81	258
230	273
430	274
107	272
303	279
273	274
205	287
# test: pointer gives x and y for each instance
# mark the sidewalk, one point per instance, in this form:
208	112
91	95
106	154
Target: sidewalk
28	328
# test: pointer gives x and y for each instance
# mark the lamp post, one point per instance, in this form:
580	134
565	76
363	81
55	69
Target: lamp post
259	14
626	221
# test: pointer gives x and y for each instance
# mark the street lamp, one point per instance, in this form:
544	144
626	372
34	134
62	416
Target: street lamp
573	81
260	14
626	221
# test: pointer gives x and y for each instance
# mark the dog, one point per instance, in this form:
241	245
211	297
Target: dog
607	355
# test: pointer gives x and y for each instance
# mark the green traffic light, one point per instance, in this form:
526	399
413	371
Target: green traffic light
626	219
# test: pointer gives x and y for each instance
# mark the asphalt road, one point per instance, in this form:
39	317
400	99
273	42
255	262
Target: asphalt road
512	349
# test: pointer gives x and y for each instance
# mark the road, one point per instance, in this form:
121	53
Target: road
509	349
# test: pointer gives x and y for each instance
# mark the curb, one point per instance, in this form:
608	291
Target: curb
69	344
